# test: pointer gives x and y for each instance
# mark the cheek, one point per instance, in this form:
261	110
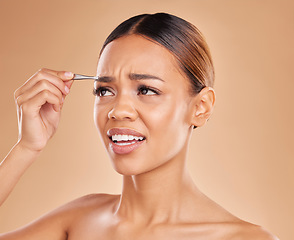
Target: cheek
168	113
100	116
167	122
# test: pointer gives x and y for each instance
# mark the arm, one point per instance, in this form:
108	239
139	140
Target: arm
51	226
9	174
39	102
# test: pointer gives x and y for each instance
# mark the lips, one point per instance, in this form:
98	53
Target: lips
123	131
124	140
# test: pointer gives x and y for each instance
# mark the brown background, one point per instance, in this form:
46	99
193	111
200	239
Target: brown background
243	158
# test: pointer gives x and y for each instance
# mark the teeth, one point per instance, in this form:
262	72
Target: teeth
119	138
131	137
124	138
123	144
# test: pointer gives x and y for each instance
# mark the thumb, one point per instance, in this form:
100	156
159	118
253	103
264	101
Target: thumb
65	76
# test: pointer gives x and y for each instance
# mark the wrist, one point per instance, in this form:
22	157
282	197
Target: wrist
30	153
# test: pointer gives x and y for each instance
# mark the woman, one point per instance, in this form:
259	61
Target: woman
155	79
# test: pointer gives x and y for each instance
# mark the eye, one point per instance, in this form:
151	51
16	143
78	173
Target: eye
102	92
144	90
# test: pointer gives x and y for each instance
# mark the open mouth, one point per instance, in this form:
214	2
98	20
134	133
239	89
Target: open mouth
124	140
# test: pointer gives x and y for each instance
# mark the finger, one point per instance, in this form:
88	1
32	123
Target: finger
34	104
69	83
41	75
64	75
37	88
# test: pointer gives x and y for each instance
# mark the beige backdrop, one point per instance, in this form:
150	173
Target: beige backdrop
243	158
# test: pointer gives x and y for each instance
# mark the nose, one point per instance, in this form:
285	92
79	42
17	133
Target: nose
123	109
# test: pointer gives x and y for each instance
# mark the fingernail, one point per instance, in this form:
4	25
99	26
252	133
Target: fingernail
68	74
62	100
66	89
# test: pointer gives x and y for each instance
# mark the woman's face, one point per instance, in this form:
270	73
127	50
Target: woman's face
143	107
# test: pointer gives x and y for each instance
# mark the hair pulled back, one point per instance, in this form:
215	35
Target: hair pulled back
180	37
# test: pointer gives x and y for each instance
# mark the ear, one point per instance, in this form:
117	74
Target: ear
203	106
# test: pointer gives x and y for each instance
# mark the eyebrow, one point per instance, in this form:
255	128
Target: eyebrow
132	76
136	76
105	79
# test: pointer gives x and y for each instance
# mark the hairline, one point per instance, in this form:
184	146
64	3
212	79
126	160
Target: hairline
176	63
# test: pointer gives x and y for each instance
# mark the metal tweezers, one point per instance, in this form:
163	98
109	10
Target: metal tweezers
84	77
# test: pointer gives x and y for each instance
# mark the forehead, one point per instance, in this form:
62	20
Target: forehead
137	54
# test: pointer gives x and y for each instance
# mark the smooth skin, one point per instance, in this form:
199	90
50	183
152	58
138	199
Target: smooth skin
159	199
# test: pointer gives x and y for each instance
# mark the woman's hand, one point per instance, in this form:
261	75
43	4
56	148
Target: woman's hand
39	102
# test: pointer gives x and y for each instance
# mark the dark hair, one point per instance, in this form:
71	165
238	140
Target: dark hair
180	37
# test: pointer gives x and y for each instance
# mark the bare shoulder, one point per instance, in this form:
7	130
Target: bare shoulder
86	205
248	231
57	223
90	201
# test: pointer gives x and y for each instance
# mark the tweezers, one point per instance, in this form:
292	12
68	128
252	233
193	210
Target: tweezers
84	77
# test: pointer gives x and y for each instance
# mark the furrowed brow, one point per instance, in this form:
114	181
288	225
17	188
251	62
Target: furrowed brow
105	79
137	76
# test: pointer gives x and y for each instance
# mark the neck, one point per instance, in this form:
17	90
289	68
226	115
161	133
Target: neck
158	195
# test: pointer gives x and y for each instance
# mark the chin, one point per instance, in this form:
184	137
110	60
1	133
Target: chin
127	170
131	166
